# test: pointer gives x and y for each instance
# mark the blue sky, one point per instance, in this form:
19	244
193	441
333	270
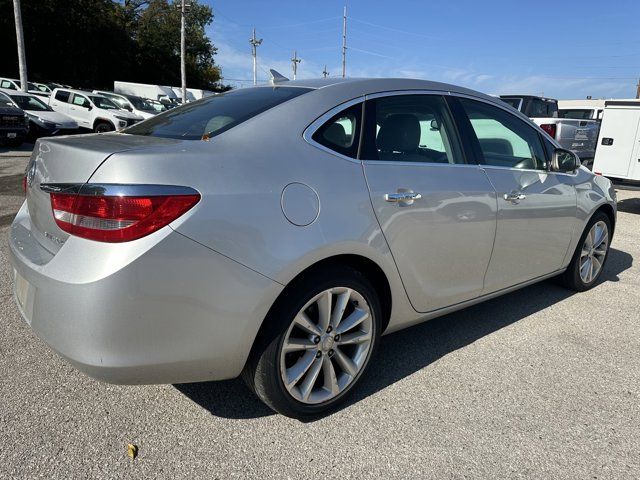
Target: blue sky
562	48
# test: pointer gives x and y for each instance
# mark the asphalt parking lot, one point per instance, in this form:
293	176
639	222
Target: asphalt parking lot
541	383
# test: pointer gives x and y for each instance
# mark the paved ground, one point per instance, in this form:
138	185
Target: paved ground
538	384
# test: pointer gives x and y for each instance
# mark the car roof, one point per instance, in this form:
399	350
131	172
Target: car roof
16	92
81	92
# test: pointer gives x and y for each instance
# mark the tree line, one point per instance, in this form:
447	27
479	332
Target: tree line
91	43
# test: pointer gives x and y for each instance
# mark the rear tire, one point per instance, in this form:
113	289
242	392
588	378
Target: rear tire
319	340
590	255
103	127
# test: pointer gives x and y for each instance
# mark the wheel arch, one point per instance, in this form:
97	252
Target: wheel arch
367	267
609	212
102	120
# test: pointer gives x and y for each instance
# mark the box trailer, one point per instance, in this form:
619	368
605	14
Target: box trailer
618	153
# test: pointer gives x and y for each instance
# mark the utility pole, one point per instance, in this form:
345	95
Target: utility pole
22	56
325	74
183	67
295	61
344	42
254	43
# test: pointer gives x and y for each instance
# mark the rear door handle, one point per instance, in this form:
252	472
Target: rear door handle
514	197
403	197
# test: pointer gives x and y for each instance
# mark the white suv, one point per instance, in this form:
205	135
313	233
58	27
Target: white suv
132	103
91	110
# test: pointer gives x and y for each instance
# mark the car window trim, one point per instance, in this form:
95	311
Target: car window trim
527	122
311	129
393	93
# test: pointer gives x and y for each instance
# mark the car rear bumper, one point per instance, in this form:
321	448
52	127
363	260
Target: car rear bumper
162	309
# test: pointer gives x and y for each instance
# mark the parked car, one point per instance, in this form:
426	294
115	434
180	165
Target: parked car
618	154
14	123
136	105
43	87
92	111
13	84
43	121
579	136
279	231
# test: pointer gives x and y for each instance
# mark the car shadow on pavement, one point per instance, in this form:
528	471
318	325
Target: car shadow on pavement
408	351
629	205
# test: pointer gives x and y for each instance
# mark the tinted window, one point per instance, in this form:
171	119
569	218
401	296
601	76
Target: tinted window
216	114
8	84
5	101
577	113
504	139
62	96
542	108
30	103
410	128
342	132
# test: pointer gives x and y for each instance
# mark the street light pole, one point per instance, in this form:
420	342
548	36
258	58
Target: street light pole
294	62
183	67
22	56
254	43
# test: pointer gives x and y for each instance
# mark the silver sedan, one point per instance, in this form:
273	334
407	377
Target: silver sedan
277	232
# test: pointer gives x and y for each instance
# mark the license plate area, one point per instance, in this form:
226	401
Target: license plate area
24	292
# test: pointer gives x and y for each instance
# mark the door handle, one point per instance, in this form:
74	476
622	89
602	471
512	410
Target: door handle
402	197
514	197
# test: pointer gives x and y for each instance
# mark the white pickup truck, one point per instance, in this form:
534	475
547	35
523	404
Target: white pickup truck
580	136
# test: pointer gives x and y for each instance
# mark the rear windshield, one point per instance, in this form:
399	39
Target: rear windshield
577	113
542	108
213	115
514	102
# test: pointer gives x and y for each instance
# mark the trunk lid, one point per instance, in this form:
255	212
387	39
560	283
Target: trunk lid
70	160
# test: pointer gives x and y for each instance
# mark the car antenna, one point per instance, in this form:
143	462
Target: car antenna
277	77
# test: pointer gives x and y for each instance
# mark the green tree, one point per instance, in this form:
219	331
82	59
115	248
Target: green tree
91	43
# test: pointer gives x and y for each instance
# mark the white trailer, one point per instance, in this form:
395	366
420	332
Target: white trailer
618	153
145	90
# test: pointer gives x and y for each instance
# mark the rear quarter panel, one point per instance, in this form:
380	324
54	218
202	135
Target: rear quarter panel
241	175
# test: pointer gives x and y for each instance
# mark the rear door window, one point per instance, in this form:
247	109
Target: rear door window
62	96
410	128
8	84
213	115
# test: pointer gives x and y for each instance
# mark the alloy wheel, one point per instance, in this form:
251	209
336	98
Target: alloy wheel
326	346
594	251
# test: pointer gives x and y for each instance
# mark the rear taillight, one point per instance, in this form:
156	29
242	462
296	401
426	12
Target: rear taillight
550	128
24	183
117	218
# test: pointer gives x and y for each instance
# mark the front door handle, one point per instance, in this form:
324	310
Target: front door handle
405	197
514	197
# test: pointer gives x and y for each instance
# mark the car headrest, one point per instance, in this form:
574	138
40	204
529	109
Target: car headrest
400	132
336	134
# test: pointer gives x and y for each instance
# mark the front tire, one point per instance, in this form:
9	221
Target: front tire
103	127
323	333
591	254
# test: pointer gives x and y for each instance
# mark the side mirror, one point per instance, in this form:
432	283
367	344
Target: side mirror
564	161
128	107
